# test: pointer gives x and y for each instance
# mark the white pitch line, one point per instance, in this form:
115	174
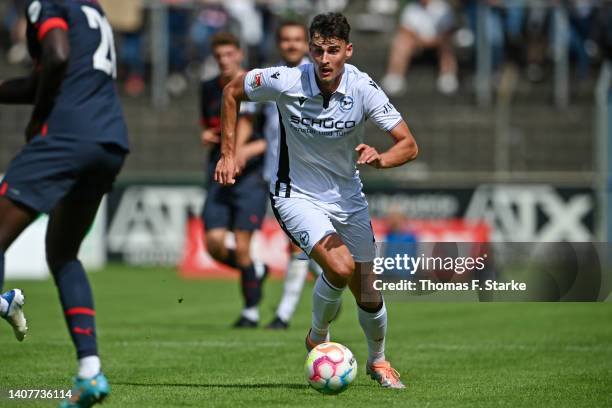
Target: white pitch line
512	347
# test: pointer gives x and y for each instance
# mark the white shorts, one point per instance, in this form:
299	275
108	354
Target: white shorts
307	221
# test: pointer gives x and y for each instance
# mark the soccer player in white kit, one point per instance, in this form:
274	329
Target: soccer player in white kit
292	45
316	193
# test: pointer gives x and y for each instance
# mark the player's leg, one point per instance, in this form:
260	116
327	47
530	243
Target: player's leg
216	216
447	79
338	267
96	167
403	47
14	218
69	221
297	270
372	315
68	224
356	232
215	244
30	187
308	225
249	201
251	279
371	311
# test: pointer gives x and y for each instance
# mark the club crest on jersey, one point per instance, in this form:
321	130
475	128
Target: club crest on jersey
304	237
256	83
346	103
34	11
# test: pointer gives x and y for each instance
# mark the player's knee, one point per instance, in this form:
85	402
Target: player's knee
369	299
243	255
216	248
56	260
342	266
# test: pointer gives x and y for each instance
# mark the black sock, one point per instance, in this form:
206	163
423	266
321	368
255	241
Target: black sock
231	258
251	286
77	302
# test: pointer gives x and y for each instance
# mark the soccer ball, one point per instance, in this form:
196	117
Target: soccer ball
330	368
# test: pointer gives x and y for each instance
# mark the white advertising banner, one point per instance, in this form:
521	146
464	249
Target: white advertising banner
25	259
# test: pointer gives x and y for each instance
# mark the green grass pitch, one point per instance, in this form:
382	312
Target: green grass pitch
166	342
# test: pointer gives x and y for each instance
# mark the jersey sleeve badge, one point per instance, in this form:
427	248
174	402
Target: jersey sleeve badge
257	81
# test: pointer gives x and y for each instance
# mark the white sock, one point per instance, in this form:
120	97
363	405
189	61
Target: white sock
294	282
3	306
315	268
374	326
260	269
89	367
251	313
326	299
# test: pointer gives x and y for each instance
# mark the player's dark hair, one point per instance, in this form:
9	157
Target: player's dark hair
224	38
291	23
330	25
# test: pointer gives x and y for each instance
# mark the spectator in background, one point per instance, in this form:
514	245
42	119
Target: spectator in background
126	17
603	30
209	20
424	24
179	18
250	18
504	27
581	14
15	23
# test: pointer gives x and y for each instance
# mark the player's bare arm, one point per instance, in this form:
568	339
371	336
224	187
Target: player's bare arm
403	151
233	94
53	66
209	138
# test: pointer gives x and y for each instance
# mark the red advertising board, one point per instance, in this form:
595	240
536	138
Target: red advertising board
270	245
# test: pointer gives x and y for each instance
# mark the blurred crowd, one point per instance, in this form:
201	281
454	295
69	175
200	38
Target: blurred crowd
520	32
517	31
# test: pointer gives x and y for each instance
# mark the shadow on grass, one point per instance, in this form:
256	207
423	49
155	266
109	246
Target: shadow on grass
242	386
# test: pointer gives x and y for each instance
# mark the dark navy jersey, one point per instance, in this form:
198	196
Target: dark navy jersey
211	95
87	105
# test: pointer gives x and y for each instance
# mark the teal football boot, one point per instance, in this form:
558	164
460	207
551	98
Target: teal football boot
87	392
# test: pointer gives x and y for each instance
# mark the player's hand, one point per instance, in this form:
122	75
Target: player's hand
34	128
240	160
209	138
368	155
225	173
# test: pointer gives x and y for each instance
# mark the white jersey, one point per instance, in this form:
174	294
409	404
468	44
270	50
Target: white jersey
316	152
271	131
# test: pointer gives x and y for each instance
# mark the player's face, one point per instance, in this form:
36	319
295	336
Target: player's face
292	44
229	58
329	56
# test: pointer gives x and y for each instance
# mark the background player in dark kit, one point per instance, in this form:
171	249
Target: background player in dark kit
76	145
239	208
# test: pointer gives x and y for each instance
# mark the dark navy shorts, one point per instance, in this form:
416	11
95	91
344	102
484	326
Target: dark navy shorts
50	168
238	207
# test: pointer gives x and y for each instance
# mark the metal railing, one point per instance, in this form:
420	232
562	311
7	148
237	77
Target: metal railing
603	152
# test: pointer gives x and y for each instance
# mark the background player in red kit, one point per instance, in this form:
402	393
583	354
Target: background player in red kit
76	145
